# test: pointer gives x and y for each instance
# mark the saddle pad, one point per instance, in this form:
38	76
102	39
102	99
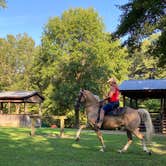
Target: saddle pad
118	111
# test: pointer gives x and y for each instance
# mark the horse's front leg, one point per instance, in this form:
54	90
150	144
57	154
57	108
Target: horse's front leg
100	137
79	132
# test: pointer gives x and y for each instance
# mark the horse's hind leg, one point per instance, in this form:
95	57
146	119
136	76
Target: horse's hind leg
141	137
79	132
129	135
100	137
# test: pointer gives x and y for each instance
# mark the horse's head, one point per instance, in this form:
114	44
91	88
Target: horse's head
86	96
81	96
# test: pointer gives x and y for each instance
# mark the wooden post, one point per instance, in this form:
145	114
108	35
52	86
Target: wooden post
9	109
1	106
40	113
32	126
33	122
62	123
131	102
17	105
25	108
136	103
161	106
163	103
40	109
1	109
124	101
161	114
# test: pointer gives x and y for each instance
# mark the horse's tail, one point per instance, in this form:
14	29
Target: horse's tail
146	118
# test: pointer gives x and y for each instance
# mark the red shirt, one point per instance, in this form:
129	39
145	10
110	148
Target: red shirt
115	96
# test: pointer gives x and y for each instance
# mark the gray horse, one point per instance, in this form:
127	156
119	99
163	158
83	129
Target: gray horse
130	119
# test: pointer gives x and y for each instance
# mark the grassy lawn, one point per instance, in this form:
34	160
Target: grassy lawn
17	148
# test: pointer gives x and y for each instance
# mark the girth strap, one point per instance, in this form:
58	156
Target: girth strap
98	117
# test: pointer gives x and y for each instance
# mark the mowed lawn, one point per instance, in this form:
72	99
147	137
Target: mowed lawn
17	148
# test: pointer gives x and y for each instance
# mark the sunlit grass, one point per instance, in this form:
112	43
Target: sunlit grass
159	148
18	148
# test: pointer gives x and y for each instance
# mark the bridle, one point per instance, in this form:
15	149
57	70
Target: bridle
78	100
78	103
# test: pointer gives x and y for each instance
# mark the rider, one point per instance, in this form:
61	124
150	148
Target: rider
113	101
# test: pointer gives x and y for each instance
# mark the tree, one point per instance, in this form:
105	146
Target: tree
77	53
3	3
143	64
16	56
142	18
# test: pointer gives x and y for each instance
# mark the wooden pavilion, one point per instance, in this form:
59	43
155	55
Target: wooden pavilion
147	89
18	100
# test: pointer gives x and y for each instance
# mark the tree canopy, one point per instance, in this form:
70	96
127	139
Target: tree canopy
3	3
16	56
142	18
77	53
143	64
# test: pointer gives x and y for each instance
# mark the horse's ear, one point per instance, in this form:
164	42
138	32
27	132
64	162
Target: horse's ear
81	90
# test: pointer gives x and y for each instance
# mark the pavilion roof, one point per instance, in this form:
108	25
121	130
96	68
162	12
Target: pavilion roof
151	88
24	96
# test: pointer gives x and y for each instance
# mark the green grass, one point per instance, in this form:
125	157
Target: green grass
17	148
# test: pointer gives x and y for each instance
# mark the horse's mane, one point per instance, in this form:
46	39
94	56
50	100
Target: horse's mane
97	97
92	95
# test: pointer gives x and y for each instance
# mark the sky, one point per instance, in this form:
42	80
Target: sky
30	16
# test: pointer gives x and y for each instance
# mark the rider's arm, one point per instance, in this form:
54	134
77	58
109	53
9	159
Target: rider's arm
111	92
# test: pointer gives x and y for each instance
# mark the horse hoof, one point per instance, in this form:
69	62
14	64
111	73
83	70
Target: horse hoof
77	139
101	150
120	151
150	153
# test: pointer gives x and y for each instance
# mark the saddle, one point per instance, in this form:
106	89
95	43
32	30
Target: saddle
117	111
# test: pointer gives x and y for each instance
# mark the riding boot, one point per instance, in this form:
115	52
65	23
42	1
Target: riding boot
101	119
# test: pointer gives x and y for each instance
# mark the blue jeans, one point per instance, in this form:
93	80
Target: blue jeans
108	108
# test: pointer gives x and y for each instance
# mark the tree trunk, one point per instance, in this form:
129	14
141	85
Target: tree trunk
77	121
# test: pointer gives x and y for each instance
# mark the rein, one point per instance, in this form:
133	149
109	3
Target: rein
98	103
78	100
88	105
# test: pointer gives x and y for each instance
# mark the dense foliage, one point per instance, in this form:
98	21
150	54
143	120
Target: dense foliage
3	3
143	64
142	18
77	53
16	57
